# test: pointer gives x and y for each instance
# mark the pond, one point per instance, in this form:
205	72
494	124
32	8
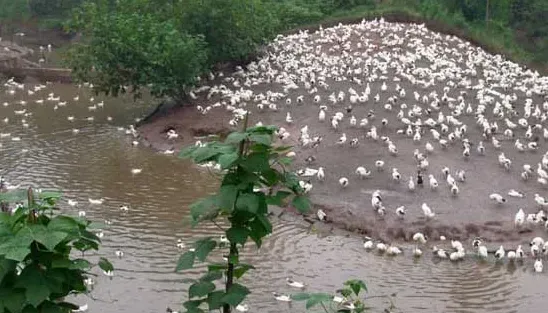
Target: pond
96	162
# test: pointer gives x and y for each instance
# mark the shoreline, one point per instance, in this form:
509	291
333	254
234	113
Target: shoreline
342	215
346	210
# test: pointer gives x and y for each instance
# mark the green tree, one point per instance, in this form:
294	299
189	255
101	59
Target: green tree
232	29
37	270
255	176
127	45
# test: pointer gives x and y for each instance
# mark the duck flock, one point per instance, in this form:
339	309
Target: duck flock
399	125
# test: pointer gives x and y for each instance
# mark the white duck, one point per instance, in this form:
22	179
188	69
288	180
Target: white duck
294	284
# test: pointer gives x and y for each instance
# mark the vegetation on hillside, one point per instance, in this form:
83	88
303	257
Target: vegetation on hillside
182	39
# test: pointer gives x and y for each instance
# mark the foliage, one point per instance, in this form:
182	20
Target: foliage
12	11
232	29
348	300
52	8
166	44
37	271
125	47
255	176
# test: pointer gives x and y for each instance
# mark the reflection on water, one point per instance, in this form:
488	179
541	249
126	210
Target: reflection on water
96	163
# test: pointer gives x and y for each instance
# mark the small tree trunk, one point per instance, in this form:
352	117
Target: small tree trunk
487	12
230	274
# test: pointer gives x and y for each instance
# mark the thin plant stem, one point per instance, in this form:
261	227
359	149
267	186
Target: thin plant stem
218	226
324	308
233	248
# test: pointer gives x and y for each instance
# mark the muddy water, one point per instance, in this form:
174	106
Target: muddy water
96	163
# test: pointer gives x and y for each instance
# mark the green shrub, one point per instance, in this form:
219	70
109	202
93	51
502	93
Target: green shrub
123	47
232	29
37	270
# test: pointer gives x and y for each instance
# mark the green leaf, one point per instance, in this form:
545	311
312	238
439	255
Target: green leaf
205	154
217	267
204	247
226	160
6	266
227	196
50	195
214	300
36	285
258	229
248	202
278	198
235	137
301	203
271	177
235	295
200	289
211	276
79	264
346	292
192	304
187	152
356	285
264	139
285	161
13	299
300	296
52	239
64	224
186	261
265	222
256	162
237	234
317	298
204	208
241	269
16	253
268	129
105	265
14	196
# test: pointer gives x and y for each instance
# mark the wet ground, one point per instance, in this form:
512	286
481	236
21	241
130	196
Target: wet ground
463	217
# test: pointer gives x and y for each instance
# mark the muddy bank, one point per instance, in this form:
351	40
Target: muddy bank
351	210
25	65
186	120
463	217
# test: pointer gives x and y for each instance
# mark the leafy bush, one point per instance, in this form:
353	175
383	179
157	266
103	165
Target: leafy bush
37	271
349	299
124	47
52	8
232	29
292	13
255	177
